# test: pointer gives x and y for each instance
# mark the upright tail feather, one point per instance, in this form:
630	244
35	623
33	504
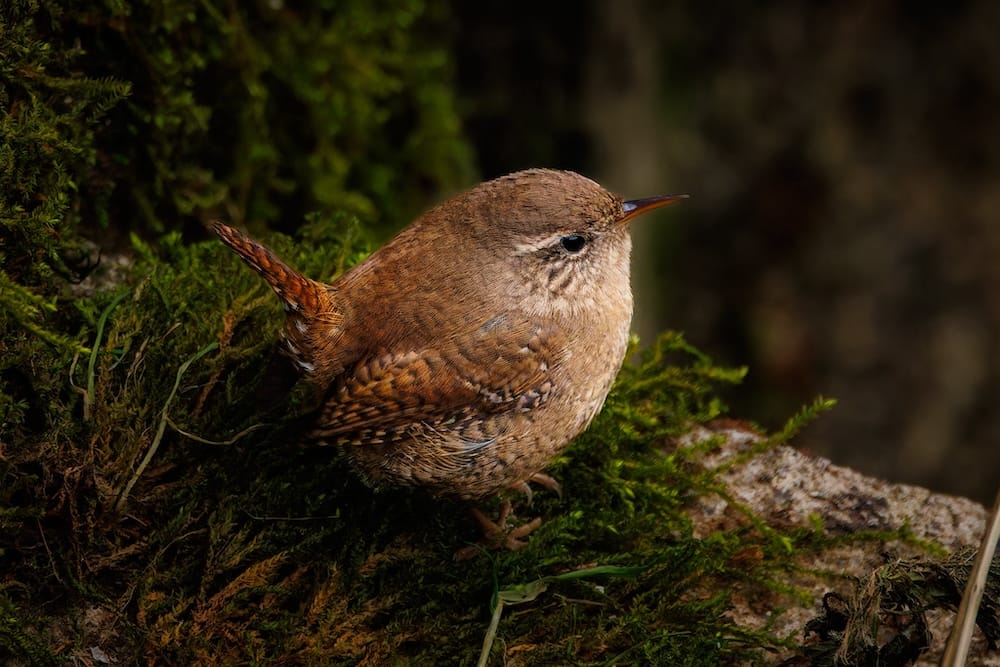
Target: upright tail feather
313	323
297	292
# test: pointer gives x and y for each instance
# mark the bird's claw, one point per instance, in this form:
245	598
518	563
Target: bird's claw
496	534
541	479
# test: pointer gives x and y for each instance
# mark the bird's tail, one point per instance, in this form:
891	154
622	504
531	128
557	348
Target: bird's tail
300	295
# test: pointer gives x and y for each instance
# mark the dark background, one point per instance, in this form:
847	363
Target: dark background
842	236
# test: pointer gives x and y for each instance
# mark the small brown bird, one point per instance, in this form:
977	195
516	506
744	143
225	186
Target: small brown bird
468	351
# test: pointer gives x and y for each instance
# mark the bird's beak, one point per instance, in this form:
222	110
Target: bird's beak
636	207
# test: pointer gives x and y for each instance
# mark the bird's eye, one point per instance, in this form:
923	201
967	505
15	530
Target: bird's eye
573	243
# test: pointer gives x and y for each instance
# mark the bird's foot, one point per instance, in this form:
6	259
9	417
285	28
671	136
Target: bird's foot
496	534
541	479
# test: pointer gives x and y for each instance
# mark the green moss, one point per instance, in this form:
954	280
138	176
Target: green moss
48	134
155	114
18	642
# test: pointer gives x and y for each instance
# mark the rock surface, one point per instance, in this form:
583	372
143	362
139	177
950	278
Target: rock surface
788	488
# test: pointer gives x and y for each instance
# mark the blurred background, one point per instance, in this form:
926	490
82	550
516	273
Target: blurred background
842	237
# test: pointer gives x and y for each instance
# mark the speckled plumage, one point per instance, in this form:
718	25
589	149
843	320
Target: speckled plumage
467	352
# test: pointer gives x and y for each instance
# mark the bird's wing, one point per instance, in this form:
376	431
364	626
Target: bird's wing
503	366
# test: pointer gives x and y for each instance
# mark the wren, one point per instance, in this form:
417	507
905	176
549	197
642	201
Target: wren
468	351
